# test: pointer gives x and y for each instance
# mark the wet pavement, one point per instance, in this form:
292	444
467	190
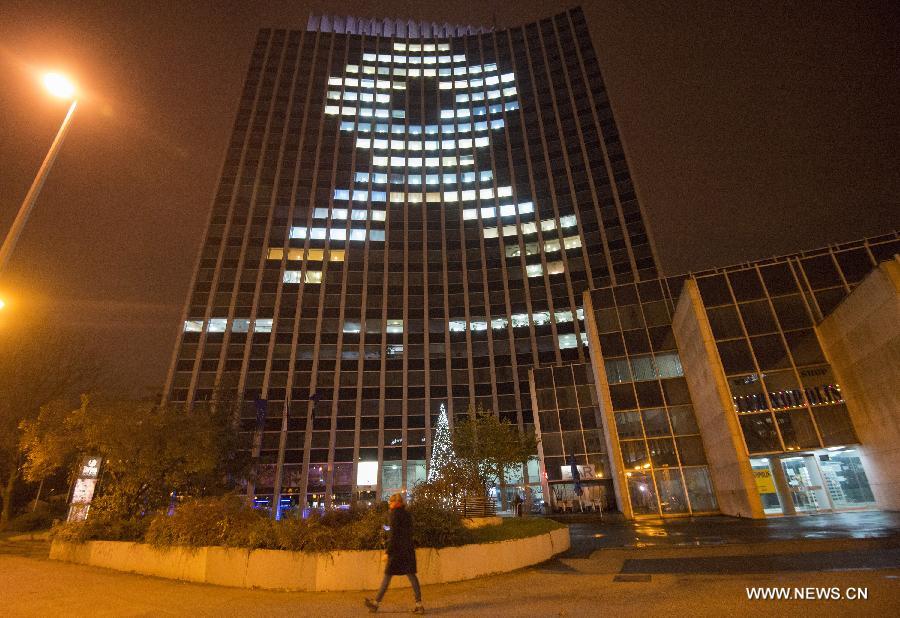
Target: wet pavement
589	535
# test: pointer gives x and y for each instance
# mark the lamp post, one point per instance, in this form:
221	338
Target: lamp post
59	86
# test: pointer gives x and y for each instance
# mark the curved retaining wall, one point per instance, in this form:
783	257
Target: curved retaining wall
284	570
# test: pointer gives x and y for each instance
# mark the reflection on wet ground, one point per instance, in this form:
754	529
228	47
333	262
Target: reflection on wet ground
588	536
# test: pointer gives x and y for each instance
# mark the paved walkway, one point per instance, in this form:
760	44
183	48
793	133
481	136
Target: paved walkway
673	579
591	533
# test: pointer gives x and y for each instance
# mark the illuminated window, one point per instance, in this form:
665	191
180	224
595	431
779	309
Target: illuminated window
563	317
193	326
298	232
478	325
291	276
540	318
263	325
367	473
275	254
567	340
534	270
240	325
313	276
518	320
568	221
499	323
394	326
457	326
555	268
377	235
572	242
551	245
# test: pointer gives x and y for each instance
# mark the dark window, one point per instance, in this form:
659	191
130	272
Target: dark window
746	285
714	290
759	433
792	312
779	279
724	322
736	357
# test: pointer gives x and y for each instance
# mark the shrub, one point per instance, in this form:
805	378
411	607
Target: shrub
99	527
435	526
225	521
29	522
229	522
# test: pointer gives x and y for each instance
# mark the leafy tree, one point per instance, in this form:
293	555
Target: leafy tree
480	447
38	365
491	446
148	451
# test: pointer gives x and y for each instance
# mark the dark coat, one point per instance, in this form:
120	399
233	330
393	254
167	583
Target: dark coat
400	549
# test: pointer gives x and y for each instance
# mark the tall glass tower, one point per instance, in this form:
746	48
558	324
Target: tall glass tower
408	215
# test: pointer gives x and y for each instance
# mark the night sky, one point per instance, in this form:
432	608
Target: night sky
752	129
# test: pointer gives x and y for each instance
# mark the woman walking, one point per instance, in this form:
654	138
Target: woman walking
401	554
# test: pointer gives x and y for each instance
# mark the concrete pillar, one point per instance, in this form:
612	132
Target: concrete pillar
861	339
729	463
782	487
620	481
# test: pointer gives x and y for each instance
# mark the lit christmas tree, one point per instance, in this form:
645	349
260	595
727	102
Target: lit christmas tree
441	448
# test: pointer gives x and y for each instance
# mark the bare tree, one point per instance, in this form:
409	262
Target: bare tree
38	364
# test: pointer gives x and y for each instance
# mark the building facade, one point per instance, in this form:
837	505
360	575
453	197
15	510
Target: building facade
727	390
408	215
412	215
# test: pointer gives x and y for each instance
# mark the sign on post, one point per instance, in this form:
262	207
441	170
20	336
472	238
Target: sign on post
85	484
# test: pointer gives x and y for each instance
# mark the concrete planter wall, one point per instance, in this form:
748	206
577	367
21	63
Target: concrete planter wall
283	570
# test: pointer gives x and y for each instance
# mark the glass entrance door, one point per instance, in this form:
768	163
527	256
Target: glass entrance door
805	482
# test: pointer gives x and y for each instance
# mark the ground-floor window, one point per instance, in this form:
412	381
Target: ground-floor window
831	479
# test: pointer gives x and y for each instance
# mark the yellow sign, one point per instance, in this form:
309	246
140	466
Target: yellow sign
764	483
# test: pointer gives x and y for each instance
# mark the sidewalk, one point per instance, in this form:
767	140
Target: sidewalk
698	568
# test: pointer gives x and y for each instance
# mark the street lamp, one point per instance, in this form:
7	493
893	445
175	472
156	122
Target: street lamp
59	86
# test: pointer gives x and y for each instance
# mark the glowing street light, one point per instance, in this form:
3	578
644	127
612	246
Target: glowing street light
59	86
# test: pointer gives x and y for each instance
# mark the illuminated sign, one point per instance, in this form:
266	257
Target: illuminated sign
85	485
764	483
586	472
